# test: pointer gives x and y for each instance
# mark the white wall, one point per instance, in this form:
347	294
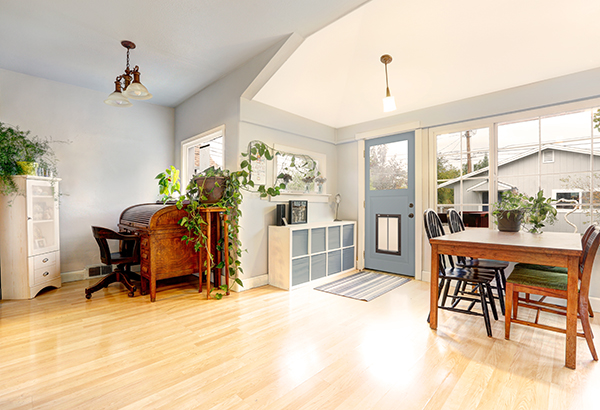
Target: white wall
110	163
257	214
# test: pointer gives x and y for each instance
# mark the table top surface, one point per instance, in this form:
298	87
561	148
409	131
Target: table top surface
559	241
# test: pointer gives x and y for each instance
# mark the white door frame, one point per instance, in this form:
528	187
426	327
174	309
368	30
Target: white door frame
384	132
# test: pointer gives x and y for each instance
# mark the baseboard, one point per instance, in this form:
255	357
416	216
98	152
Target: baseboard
249	283
425	276
74	275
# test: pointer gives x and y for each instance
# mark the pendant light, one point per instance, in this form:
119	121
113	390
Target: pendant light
389	103
128	84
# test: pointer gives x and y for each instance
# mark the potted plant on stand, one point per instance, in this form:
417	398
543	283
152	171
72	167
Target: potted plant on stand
22	154
198	195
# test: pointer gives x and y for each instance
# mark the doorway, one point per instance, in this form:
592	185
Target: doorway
390	204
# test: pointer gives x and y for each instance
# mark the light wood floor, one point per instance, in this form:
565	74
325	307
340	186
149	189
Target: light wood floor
271	349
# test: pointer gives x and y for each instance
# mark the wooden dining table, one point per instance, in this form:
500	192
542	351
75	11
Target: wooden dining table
549	248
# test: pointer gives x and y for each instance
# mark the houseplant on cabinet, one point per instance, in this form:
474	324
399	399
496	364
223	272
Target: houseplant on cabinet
22	154
200	194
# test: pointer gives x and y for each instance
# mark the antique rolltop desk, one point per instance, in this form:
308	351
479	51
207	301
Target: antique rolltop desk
163	254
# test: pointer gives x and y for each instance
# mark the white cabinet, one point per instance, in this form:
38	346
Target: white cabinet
299	254
29	238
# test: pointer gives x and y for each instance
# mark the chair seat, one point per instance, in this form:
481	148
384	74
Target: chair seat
484	264
538	278
470	275
546	268
118	258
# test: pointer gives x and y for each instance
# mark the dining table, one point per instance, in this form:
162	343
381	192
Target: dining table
548	248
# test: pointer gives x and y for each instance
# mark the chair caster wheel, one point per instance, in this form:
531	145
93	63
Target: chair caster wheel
88	295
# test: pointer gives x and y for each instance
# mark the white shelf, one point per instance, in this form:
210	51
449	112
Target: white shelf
292	196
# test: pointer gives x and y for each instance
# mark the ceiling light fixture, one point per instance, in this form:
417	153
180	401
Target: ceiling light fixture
129	82
389	103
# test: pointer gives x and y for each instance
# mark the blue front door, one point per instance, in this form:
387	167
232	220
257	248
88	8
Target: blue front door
389	204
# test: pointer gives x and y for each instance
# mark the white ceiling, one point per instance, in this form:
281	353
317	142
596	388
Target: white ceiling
443	51
182	45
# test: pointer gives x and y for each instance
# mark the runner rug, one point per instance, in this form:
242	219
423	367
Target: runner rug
365	285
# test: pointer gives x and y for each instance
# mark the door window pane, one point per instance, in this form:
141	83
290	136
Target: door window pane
388	165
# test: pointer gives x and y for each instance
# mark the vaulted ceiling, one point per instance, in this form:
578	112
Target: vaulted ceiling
442	51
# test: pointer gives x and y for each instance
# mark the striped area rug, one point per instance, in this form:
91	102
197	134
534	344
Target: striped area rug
365	285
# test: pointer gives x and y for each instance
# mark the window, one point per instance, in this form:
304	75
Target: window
557	153
201	152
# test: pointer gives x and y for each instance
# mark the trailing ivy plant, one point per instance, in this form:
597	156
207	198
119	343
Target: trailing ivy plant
191	199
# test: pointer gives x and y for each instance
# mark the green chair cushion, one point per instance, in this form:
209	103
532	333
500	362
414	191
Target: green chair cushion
540	278
546	268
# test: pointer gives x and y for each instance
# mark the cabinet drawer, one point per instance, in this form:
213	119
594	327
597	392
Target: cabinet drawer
45	274
43	260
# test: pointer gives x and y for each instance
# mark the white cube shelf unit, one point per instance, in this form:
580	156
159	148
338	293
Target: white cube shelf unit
299	254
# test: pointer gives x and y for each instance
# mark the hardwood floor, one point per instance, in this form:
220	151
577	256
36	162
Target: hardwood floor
272	349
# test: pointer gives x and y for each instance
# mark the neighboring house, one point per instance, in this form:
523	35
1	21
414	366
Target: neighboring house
564	174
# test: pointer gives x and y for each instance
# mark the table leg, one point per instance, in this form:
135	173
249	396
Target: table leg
572	296
433	296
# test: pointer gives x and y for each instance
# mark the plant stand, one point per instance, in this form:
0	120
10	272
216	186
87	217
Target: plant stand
215	218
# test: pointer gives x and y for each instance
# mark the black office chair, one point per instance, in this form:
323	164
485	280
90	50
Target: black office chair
128	255
479	279
456	224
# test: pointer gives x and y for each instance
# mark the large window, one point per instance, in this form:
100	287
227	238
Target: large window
559	154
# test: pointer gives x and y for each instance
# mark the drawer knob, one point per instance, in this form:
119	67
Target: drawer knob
46	273
44	260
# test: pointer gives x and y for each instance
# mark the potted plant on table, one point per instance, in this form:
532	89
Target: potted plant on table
539	212
22	154
515	208
509	211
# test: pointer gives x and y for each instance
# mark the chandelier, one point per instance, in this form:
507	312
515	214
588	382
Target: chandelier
128	84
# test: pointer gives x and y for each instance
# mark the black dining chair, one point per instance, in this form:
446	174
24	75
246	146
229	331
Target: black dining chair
478	279
456	224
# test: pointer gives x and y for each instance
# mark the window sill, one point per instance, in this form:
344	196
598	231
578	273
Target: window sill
290	196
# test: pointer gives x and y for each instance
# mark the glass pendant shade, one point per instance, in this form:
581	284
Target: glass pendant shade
389	104
117	99
137	91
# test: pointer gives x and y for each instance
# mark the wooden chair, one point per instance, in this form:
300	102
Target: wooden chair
553	284
128	255
456	224
555	269
449	274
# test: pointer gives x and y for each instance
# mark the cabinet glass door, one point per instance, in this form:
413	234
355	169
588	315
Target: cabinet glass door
42	217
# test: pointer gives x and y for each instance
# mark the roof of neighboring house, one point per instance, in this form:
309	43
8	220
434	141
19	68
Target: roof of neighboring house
513	159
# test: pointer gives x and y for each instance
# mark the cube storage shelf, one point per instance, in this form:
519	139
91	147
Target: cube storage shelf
299	254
